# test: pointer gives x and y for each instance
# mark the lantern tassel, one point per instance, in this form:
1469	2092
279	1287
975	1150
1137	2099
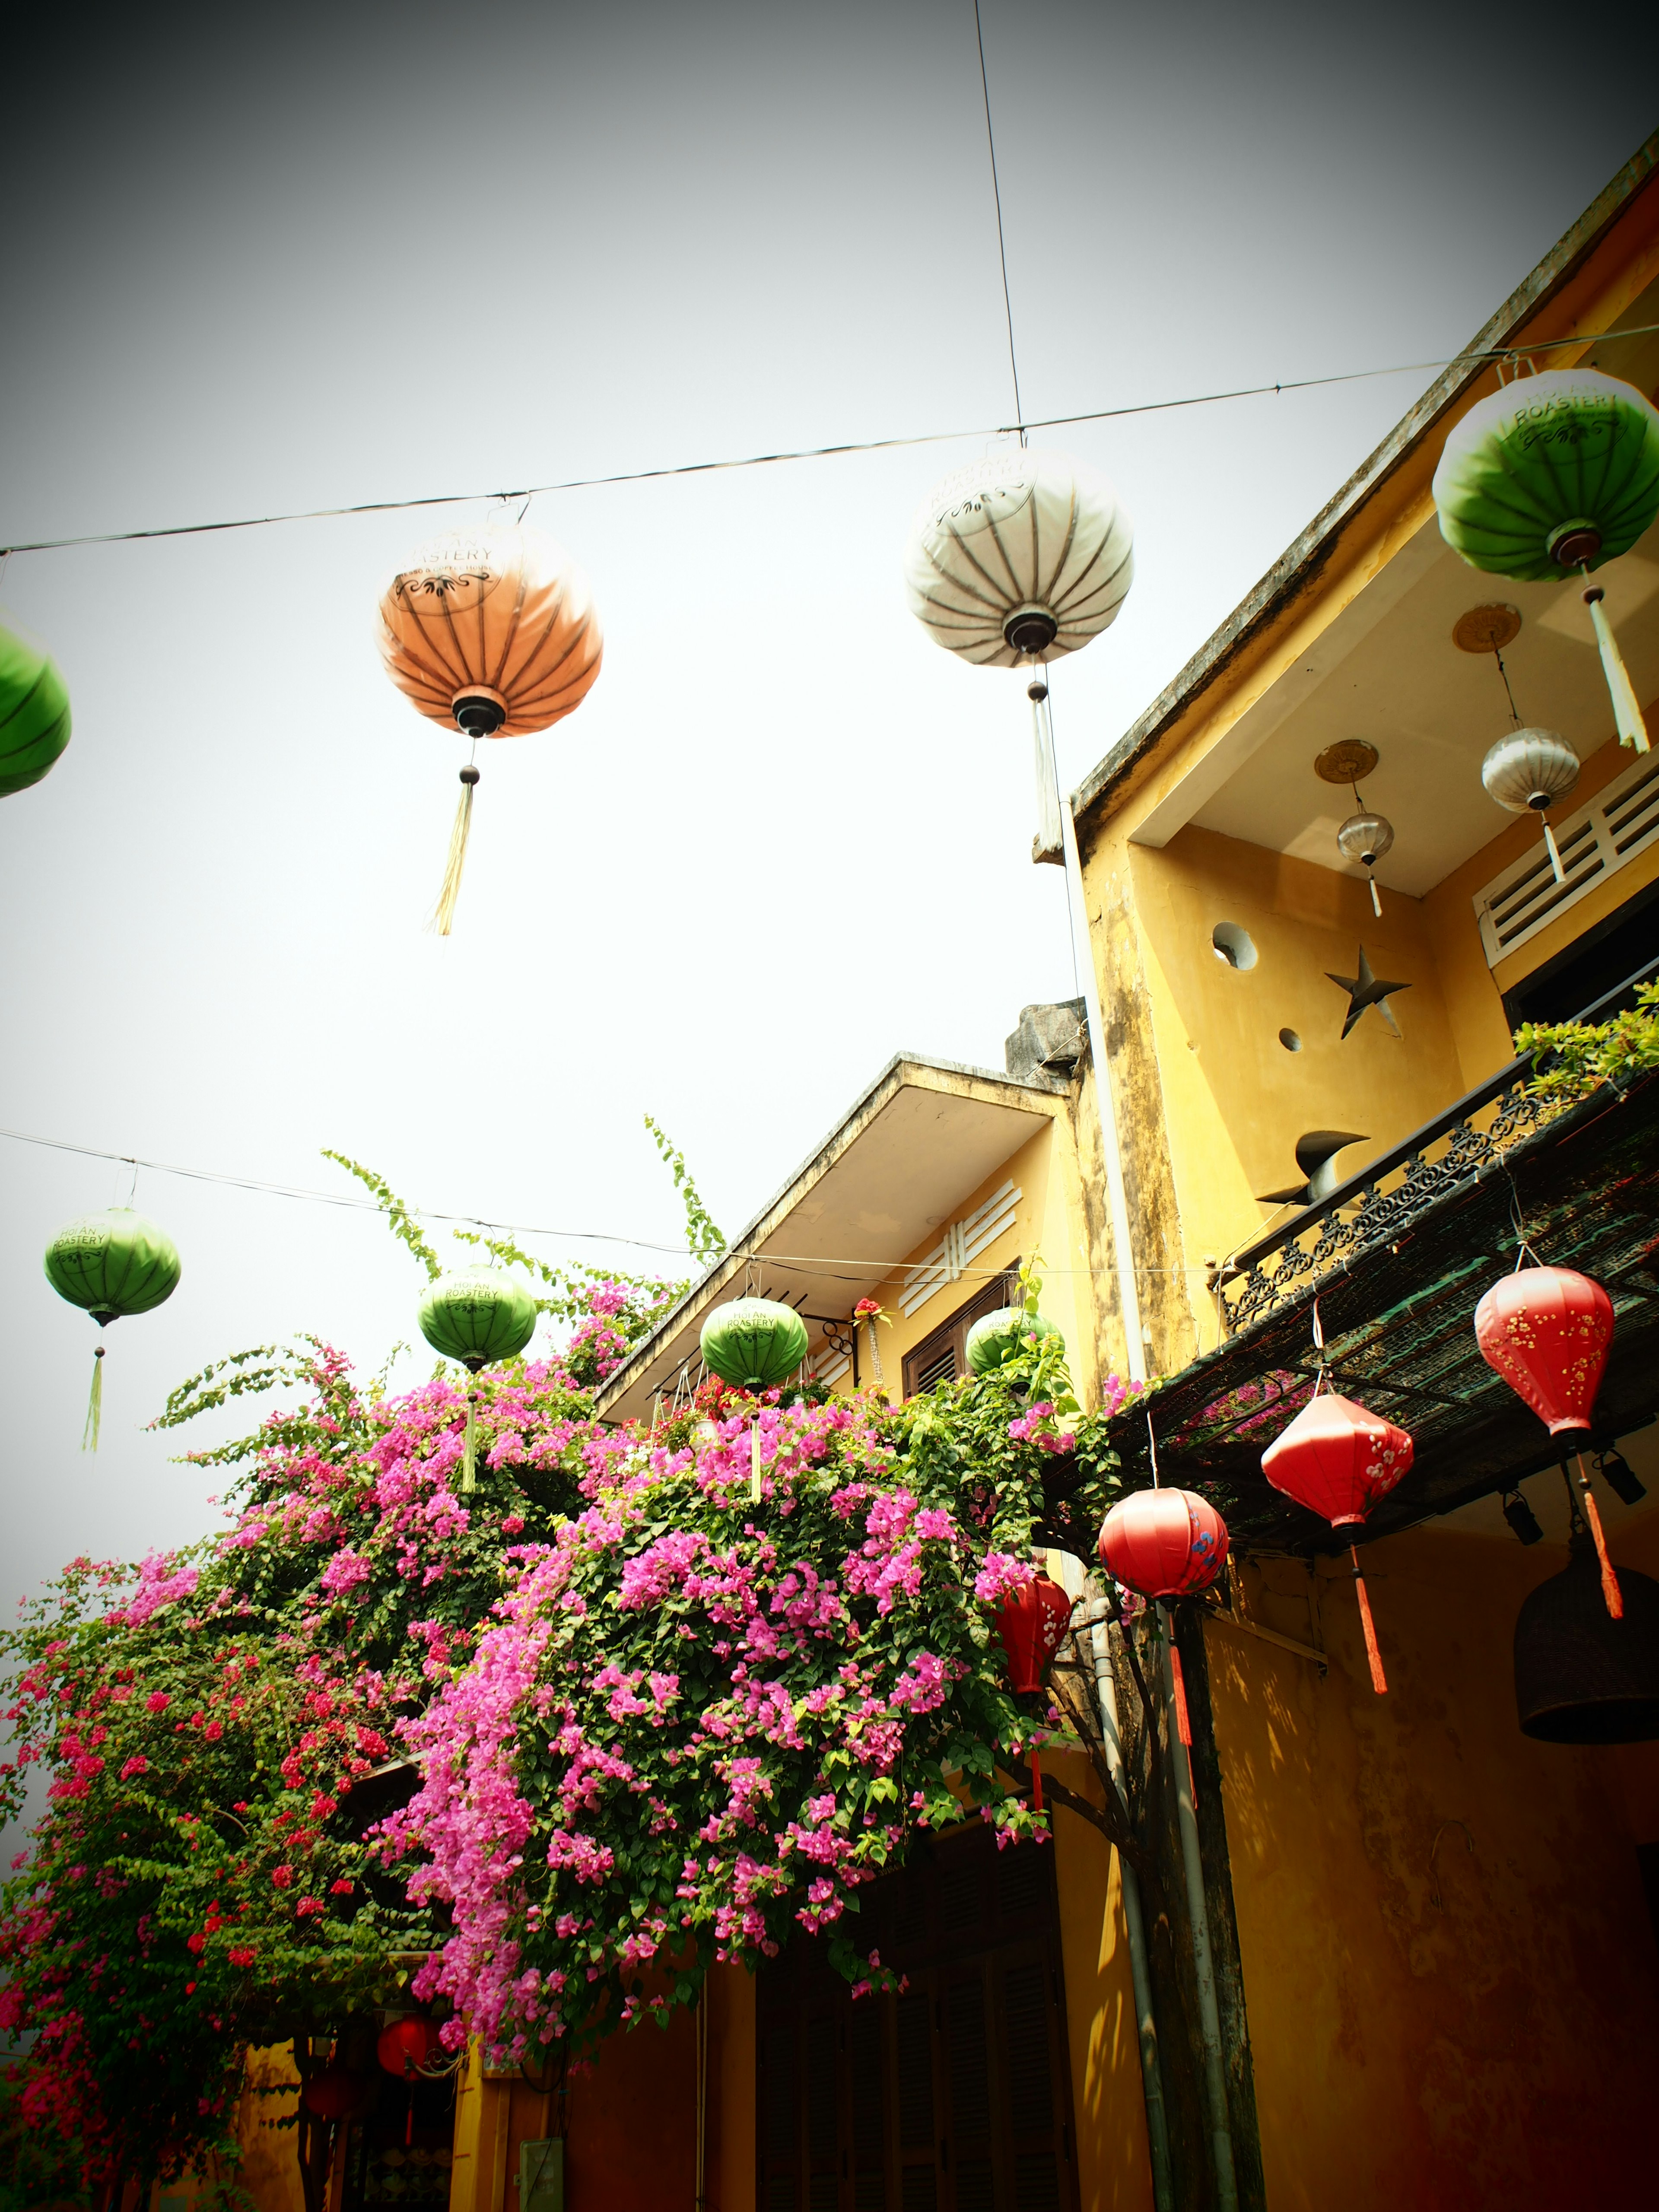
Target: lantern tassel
875	1352
754	1463
1183	1723
1626	713
1555	857
94	1402
469	1452
1613	1597
443	914
1373	1650
1376	903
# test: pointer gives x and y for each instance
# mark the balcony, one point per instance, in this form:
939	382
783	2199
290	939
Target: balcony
1397	1258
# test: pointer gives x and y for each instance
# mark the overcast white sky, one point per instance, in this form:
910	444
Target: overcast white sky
307	258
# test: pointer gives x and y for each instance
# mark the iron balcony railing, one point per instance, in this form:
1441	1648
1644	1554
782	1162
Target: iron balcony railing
1375	1206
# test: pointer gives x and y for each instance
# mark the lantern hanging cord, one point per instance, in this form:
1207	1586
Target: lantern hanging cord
996	194
1508	692
845	448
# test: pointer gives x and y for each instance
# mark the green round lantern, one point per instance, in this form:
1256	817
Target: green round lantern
111	1264
1553	474
753	1343
997	1337
35	715
476	1316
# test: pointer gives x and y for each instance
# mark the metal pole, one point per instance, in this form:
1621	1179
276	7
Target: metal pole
1151	2072
1209	2013
1128	1295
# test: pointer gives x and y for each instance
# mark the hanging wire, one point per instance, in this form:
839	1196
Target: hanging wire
996	194
805	453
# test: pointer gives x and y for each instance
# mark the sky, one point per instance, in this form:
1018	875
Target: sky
309	257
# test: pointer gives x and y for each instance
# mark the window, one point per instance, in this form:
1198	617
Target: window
942	1356
951	2096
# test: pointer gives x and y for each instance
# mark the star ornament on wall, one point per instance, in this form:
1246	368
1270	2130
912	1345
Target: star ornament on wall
1366	989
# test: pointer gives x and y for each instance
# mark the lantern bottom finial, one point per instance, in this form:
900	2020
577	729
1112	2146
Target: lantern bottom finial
478	713
1030	629
1573	543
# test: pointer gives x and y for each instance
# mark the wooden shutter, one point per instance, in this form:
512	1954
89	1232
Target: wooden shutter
952	2095
942	1356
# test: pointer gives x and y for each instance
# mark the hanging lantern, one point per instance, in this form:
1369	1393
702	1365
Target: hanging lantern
997	1337
1366	837
754	1343
1553	473
478	1315
1527	772
111	1264
1030	1625
34	715
1547	1332
492	629
1580	1676
407	2045
1164	1543
1337	1458
334	2093
1014	560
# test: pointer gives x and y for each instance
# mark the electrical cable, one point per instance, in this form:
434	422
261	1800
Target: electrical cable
789	1262
807	453
996	194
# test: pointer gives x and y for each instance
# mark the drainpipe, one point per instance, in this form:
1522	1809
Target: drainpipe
1152	2073
1209	2013
1117	1196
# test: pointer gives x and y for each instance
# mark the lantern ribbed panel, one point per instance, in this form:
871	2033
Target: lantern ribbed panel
34	715
1529	764
1019	530
753	1343
1338	1458
996	1337
1031	1624
112	1264
1164	1543
477	1315
1570	446
1547	1331
502	610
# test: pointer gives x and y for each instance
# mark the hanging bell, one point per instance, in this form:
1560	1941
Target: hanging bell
1366	837
1580	1676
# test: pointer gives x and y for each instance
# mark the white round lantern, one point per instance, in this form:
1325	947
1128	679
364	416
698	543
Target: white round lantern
1019	556
1528	771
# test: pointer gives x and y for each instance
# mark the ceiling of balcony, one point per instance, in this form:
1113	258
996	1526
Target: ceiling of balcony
1386	670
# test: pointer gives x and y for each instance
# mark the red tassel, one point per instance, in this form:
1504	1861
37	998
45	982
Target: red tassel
1037	1779
1611	1595
1183	1725
1379	1679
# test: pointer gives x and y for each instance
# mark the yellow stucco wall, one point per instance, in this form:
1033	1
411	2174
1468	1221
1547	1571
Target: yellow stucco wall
1435	2022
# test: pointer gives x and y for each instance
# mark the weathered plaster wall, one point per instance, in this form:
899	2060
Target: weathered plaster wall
1435	2023
1108	2106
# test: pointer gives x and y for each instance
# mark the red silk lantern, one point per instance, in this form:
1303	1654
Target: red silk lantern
334	2094
1547	1332
1164	1543
1338	1458
1030	1625
407	2045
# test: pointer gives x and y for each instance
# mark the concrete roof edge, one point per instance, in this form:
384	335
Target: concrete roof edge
1309	550
891	1079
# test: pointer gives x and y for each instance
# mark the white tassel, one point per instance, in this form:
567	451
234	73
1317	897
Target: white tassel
443	914
1632	730
1377	903
1048	777
1555	857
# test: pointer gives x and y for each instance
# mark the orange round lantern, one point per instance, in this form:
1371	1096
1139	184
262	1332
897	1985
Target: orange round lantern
1164	1543
492	630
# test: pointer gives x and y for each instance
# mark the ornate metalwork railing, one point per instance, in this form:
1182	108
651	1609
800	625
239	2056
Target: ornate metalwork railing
1374	1207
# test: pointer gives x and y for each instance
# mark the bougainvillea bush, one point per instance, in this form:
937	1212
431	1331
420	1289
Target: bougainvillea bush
651	1721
